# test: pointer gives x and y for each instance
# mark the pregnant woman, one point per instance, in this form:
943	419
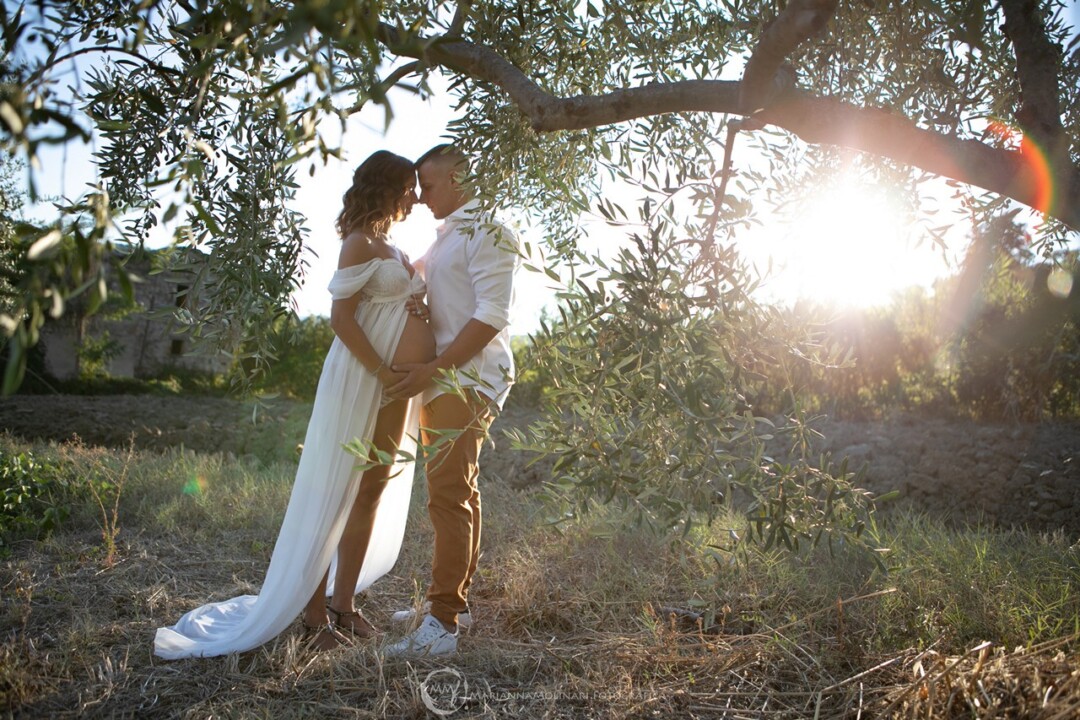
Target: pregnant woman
335	509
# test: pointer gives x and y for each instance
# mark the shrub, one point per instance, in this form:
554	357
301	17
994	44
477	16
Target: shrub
650	379
992	342
301	345
533	381
32	499
1014	350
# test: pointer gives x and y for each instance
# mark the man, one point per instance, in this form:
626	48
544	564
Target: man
469	271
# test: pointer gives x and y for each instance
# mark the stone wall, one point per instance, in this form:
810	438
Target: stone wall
1005	474
148	341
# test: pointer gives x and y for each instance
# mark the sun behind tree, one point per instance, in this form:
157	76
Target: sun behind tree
849	245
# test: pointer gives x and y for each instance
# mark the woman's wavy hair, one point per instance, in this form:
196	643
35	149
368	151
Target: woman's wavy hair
378	195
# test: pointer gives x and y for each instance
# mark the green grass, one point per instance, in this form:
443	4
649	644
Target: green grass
983	583
582	622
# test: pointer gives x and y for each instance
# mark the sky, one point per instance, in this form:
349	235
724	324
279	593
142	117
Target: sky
853	248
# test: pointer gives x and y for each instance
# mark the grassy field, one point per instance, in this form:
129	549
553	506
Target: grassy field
583	623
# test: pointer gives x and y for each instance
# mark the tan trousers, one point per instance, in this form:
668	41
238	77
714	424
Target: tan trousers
454	498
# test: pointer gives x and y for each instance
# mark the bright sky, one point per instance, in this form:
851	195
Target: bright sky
853	247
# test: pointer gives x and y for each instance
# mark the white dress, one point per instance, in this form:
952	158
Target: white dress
346	404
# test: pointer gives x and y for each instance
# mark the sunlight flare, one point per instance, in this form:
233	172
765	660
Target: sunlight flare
1060	283
1035	168
195	485
852	246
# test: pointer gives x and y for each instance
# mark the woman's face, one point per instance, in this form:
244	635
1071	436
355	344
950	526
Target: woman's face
405	205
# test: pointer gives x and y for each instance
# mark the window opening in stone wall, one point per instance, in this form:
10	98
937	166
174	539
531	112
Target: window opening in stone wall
177	346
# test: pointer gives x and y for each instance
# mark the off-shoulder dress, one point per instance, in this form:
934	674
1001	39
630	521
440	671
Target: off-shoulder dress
346	404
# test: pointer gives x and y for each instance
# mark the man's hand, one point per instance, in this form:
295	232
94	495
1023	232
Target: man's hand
417	378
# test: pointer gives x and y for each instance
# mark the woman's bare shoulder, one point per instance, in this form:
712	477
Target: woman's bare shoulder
356	249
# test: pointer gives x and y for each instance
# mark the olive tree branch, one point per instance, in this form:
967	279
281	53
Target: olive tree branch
457	25
384	85
166	73
814	119
796	22
1038	64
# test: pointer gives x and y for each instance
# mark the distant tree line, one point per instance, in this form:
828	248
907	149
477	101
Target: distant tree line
999	340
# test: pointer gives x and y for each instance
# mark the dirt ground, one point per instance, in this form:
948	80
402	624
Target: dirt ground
1007	473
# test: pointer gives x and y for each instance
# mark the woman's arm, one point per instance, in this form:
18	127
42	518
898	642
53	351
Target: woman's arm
356	250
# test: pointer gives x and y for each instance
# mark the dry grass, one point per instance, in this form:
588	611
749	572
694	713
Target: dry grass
573	625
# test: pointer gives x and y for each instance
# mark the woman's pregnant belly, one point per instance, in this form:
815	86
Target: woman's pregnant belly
417	344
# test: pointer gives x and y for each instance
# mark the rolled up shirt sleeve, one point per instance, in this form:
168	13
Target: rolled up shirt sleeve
493	258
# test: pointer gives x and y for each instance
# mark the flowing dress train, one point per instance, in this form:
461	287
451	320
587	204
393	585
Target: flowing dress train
346	404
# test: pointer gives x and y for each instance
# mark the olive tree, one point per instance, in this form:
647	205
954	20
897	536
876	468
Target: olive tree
205	110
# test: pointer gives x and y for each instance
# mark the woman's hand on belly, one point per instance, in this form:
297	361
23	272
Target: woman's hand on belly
417	379
416	306
390	377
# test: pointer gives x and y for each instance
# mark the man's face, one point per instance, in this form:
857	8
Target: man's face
438	190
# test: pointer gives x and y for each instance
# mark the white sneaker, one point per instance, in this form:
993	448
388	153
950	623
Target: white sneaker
431	638
464	619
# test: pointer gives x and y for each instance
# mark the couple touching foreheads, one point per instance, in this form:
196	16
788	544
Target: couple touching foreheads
384	377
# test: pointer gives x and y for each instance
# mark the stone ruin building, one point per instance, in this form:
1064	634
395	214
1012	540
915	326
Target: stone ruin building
146	340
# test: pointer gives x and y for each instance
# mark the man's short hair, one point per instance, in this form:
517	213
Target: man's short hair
444	153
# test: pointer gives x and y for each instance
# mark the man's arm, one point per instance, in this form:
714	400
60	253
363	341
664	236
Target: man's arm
473	338
492	261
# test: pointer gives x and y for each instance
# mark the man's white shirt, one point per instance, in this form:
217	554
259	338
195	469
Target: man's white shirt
469	272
